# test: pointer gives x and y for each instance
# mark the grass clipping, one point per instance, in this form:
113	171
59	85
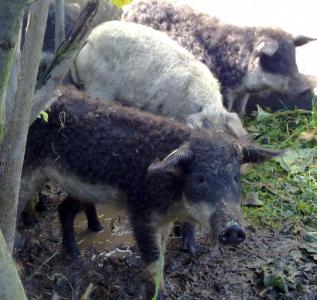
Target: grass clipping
287	186
158	276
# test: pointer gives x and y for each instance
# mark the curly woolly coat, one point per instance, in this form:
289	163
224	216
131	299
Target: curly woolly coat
141	67
113	155
229	51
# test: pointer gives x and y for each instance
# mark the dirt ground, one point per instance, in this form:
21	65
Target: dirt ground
269	265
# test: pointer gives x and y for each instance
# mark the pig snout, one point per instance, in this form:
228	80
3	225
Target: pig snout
232	235
299	87
306	95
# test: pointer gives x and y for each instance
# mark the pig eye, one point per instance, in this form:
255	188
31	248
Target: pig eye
201	179
274	64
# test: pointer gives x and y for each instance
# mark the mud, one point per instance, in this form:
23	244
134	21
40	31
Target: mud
116	233
269	265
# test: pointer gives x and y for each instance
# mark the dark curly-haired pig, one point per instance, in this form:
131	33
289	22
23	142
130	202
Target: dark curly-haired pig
244	59
142	67
159	170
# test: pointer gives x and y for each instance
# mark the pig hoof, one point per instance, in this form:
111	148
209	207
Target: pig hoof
71	248
95	227
189	244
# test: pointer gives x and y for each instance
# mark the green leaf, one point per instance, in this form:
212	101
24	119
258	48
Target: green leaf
44	116
310	236
262	114
274	279
291	188
253	129
310	223
287	213
252	200
296	161
159	273
121	3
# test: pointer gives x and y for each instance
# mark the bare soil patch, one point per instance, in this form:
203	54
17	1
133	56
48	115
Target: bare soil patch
269	265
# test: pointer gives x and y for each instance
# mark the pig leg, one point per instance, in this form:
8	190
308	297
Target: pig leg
35	205
68	210
243	104
229	100
28	214
41	205
92	217
165	233
150	237
31	181
187	232
163	236
188	236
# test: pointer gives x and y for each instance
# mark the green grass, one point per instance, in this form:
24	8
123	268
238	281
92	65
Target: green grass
158	278
287	186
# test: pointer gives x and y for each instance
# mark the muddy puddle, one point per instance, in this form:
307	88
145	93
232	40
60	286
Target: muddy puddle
268	265
115	239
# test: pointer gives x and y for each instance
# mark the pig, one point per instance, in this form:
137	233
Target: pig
245	60
141	67
156	168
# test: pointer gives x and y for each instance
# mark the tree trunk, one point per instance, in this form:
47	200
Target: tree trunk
13	146
10	19
11	155
47	85
10	283
13	82
59	22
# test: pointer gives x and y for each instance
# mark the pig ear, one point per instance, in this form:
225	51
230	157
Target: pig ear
301	40
267	46
172	162
255	154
